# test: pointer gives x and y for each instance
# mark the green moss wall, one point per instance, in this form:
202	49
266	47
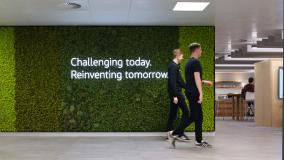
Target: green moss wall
109	105
37	79
7	80
206	37
42	97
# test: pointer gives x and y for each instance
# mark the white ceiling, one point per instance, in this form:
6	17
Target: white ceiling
234	19
100	12
237	19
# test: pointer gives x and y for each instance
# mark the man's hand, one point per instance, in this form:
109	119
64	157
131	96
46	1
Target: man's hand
200	99
208	83
175	100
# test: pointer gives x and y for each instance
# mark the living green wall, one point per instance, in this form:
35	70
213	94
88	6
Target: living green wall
37	79
7	80
109	105
206	37
46	99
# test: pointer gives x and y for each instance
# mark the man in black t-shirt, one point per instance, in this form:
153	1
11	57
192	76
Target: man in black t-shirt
177	100
194	94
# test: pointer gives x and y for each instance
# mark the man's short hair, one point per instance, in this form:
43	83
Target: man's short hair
193	46
250	79
176	52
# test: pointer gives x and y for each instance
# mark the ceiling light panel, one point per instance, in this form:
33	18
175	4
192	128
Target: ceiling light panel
190	6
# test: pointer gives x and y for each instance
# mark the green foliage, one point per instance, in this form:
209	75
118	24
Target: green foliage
37	79
204	36
110	105
48	100
7	80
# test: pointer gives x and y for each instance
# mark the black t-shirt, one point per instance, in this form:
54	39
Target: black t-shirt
193	65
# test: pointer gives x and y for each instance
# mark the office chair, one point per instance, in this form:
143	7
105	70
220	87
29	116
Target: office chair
250	104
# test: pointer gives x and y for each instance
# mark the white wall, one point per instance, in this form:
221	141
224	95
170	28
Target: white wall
234	75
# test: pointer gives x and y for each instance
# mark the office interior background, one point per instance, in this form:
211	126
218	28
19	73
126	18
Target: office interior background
39	120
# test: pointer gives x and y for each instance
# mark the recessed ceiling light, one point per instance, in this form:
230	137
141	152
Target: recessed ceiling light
67	5
235	71
234	65
190	6
73	5
250	49
227	58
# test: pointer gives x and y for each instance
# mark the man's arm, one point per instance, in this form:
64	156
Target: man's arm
198	85
244	90
172	85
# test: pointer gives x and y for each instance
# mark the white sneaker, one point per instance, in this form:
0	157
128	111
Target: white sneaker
172	138
203	144
183	138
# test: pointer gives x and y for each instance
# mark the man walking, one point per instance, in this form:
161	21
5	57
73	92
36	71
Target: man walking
194	94
175	85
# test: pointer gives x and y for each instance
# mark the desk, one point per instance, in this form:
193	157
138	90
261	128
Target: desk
237	109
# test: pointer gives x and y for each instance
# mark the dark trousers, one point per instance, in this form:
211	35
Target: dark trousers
196	115
173	114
